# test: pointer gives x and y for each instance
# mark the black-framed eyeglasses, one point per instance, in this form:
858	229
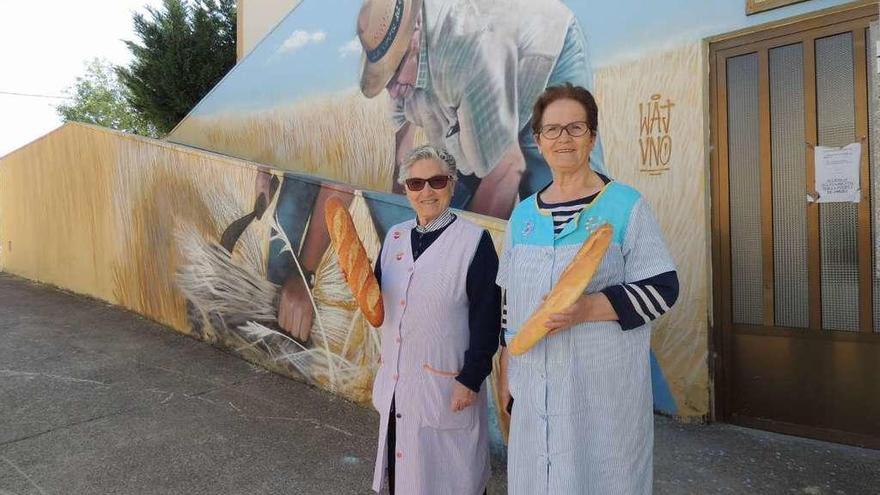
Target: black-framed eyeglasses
574	129
437	182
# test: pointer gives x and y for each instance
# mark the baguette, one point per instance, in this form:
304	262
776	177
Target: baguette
572	283
354	262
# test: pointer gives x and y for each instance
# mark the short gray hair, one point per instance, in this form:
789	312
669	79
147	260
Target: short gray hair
428	152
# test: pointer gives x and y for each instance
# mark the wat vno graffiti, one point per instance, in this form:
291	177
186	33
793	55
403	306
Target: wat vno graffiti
679	342
655	142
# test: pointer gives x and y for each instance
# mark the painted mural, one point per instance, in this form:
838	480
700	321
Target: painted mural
463	75
660	150
295	307
217	248
342	92
225	247
291	308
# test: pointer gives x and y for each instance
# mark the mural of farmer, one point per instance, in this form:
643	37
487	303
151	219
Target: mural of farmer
300	212
468	73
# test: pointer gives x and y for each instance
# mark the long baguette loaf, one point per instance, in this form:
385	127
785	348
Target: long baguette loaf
354	262
571	285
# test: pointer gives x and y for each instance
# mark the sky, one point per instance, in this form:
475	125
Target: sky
43	48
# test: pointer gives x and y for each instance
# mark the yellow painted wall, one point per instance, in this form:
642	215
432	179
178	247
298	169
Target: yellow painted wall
95	211
60	235
305	137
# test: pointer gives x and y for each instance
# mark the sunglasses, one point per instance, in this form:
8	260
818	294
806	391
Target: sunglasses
436	182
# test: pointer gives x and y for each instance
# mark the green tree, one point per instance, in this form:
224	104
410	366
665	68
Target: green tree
98	98
184	49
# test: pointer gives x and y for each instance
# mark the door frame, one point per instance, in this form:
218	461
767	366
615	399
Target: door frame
819	24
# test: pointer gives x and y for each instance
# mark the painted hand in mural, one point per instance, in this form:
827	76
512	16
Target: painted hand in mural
588	307
295	310
295	314
462	397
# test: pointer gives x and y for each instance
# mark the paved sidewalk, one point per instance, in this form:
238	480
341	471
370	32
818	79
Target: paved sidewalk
96	400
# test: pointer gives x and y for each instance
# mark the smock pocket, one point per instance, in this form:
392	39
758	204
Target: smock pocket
436	398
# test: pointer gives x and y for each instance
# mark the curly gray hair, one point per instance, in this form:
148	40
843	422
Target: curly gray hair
428	152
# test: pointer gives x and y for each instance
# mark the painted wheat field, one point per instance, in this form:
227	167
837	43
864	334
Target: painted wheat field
344	137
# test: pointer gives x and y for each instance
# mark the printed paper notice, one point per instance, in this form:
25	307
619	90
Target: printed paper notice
837	173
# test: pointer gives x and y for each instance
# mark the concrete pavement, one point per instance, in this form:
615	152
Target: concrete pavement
97	400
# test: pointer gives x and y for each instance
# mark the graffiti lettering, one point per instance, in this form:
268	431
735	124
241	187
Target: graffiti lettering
654	139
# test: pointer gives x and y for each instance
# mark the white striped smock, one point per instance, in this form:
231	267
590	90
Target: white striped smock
582	421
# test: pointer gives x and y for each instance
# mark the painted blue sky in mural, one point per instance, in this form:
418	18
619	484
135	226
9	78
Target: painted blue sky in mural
314	50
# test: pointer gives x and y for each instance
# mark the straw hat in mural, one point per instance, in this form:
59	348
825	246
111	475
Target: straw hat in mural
385	28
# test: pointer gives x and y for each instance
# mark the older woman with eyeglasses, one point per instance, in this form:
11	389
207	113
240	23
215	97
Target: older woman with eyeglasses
442	323
581	416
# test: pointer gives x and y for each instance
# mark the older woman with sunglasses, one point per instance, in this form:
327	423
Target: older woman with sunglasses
442	323
581	421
